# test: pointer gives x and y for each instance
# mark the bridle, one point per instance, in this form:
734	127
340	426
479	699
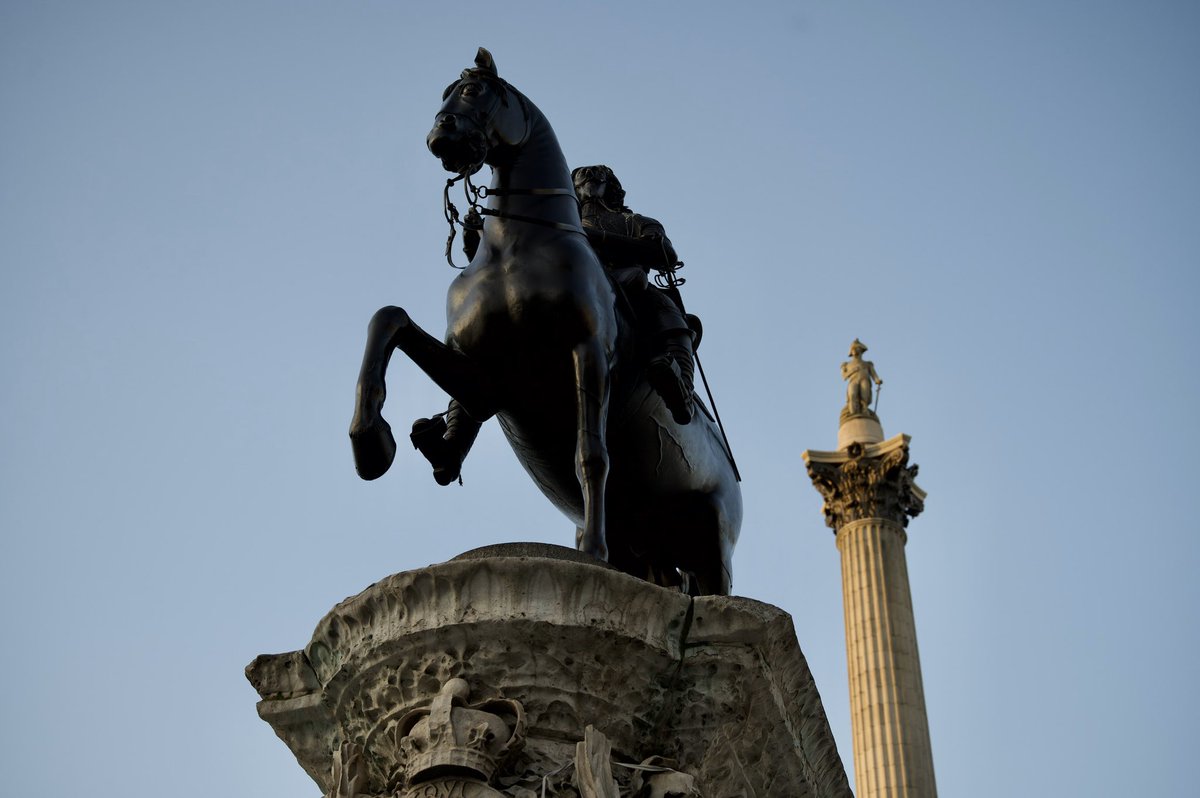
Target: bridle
475	194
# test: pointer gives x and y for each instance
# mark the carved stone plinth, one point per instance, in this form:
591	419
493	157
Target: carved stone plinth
481	676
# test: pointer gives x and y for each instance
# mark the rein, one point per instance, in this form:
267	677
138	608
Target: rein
474	218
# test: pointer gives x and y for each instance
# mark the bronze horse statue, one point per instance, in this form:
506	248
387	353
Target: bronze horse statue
537	338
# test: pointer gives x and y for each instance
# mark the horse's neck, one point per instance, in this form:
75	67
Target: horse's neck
538	163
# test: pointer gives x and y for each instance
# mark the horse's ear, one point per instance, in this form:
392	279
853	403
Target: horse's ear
483	60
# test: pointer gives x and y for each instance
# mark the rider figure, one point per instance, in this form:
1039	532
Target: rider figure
629	245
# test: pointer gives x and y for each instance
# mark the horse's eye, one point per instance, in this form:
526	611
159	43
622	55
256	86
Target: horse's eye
470	90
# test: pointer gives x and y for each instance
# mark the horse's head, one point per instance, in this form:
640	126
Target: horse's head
481	117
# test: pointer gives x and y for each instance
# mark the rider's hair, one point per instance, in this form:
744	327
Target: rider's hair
614	194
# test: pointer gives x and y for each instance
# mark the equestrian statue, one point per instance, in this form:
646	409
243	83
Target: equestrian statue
541	334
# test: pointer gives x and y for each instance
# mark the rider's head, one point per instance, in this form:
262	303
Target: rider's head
599	183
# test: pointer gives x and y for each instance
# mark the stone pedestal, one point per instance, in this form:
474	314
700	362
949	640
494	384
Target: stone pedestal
864	429
486	674
870	493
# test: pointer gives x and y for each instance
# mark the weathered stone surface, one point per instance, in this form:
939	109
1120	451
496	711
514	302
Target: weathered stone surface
282	675
593	766
716	684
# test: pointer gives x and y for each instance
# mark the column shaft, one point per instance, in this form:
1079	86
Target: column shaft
892	753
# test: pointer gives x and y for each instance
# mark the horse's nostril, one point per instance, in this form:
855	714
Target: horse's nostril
446	122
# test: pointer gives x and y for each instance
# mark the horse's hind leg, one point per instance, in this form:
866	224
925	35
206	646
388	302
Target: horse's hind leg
713	579
592	389
391	328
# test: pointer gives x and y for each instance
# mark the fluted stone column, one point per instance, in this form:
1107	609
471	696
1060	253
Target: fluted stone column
870	494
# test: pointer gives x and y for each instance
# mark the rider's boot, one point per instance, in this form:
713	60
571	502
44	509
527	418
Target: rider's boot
445	441
671	375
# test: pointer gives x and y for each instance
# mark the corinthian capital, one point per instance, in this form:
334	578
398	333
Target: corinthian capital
867	481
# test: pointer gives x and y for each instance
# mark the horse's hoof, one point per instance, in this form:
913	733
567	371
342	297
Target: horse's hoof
374	449
600	552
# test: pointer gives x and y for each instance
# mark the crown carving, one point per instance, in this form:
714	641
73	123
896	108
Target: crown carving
452	738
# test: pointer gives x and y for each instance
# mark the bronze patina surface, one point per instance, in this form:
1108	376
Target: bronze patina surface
537	338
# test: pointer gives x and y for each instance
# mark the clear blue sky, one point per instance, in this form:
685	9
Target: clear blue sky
202	204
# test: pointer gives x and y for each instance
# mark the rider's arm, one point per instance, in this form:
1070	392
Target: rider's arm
650	249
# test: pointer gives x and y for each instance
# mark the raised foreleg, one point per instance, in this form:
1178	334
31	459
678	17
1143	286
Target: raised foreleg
391	328
592	388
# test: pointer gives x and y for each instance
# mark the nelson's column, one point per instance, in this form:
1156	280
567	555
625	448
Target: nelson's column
870	494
